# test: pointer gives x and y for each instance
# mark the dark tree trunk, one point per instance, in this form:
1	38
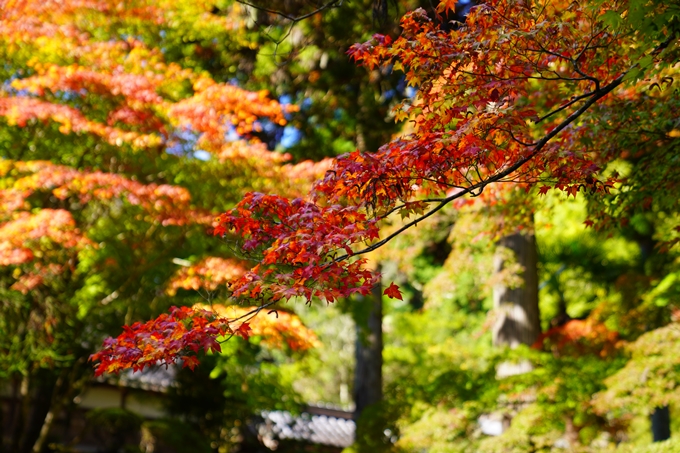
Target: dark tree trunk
369	345
20	412
517	308
41	404
661	424
54	406
2	428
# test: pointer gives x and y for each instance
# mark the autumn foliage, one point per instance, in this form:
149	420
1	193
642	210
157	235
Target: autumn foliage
524	94
173	337
90	79
511	96
577	337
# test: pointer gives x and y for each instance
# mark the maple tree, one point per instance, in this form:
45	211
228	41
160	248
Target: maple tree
511	96
492	110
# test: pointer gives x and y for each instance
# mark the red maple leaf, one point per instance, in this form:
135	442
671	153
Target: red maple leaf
393	292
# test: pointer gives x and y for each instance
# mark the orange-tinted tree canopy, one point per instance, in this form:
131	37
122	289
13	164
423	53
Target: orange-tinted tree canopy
101	184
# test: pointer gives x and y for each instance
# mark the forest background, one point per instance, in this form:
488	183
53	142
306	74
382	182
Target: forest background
126	128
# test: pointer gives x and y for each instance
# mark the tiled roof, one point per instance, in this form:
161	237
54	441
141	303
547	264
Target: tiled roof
321	425
154	379
336	431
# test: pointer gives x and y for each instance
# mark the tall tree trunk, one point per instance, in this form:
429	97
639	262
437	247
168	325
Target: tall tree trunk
2	428
661	424
518	317
517	308
369	345
55	406
20	412
41	403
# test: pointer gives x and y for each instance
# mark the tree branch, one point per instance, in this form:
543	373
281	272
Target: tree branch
573	101
330	4
596	96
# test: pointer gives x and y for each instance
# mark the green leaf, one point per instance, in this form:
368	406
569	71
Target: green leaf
612	19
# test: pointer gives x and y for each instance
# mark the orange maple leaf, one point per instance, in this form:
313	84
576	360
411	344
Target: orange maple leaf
446	5
189	362
244	331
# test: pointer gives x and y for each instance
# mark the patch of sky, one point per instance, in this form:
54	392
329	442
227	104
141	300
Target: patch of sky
268	127
7	87
464	7
284	100
63	95
70	95
184	139
7	83
183	145
270	134
291	136
231	135
202	155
